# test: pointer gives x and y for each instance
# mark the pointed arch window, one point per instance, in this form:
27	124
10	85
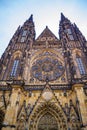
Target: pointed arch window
14	67
24	33
80	65
71	37
23	37
69	31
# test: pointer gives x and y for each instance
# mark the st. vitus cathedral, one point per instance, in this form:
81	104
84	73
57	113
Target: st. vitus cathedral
43	81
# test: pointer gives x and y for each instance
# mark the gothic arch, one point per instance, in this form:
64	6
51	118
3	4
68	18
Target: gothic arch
49	120
52	109
77	52
79	62
17	54
38	54
15	61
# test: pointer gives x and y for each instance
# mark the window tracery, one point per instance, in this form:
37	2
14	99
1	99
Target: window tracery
47	68
70	35
80	65
14	68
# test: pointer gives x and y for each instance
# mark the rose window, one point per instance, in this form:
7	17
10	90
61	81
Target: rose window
47	68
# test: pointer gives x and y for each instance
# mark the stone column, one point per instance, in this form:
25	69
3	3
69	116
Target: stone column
11	112
81	98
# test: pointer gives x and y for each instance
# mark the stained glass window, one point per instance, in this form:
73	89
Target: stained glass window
70	34
47	68
80	65
23	37
14	68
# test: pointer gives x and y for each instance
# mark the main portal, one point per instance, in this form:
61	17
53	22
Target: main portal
47	122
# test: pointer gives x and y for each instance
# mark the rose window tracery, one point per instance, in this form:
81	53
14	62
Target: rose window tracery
47	68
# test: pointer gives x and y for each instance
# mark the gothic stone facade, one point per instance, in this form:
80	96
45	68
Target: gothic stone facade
43	81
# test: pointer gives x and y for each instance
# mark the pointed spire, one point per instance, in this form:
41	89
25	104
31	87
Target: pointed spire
75	26
62	17
31	18
79	32
46	27
30	26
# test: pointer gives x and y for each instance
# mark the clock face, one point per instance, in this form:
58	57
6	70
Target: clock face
47	68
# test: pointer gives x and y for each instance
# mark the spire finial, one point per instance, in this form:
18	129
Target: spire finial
62	17
31	17
46	26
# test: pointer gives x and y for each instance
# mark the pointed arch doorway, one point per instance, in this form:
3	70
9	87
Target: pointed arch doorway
47	122
47	116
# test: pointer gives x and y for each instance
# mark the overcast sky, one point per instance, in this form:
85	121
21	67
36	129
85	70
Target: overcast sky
45	12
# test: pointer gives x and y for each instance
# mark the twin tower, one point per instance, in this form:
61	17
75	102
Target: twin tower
43	81
23	43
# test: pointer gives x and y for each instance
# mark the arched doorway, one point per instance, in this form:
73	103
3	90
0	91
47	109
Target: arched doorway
47	122
47	116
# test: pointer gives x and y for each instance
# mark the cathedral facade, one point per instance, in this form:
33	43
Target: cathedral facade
43	81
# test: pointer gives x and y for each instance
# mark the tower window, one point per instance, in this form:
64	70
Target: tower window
14	68
80	65
69	31
24	33
23	39
70	34
71	37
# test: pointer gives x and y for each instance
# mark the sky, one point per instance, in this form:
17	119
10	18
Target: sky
45	13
